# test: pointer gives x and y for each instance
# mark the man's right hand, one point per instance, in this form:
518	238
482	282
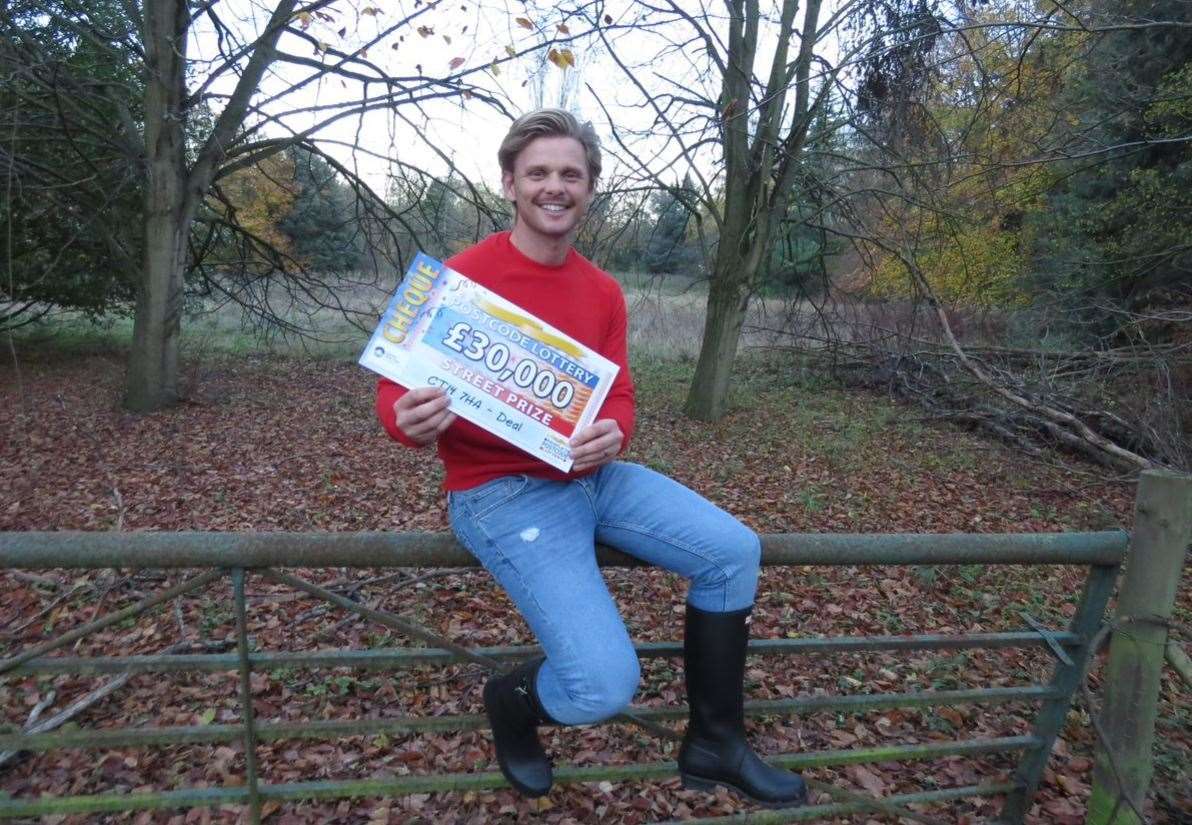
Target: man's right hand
422	414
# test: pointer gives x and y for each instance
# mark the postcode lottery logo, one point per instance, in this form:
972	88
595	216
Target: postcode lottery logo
509	366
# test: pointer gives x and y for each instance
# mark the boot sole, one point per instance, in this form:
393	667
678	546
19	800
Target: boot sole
532	793
698	783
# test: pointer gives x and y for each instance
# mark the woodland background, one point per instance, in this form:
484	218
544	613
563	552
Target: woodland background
892	265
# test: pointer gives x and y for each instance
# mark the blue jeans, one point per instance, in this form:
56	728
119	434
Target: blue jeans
537	538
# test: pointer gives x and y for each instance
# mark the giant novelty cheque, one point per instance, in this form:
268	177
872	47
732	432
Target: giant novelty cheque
502	368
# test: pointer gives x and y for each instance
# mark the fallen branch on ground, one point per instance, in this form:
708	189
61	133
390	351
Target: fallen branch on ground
33	726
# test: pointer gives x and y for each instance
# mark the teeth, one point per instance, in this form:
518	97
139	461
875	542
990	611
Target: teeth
553	207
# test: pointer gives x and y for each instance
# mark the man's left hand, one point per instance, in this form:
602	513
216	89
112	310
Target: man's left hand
596	445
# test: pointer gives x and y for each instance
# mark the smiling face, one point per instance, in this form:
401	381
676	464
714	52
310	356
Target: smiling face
550	189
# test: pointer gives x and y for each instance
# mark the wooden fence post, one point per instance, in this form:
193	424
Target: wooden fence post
1162	531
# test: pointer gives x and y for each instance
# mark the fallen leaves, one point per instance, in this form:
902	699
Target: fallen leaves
867	779
238	457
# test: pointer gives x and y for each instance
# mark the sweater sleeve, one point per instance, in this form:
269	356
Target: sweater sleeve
387	395
620	403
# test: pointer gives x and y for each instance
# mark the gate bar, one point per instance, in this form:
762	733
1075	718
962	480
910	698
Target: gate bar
35	550
403	657
403	725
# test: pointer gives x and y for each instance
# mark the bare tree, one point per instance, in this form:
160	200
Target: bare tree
222	87
932	190
906	88
738	127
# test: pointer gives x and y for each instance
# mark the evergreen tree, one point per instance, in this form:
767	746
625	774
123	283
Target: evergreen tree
1114	239
75	183
667	249
796	263
322	223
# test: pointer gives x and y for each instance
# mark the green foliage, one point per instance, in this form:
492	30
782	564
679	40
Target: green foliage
992	212
1113	238
965	198
75	182
322	223
796	264
667	249
442	217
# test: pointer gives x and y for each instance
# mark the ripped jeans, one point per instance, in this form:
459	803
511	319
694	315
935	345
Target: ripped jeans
537	538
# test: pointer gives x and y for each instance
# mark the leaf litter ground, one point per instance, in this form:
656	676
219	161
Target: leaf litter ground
280	444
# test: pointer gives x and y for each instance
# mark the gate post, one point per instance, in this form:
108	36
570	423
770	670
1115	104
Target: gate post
1162	531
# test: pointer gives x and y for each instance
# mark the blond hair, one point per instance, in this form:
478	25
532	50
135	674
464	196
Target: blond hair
550	123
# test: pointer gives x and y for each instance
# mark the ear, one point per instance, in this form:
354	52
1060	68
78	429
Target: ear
507	186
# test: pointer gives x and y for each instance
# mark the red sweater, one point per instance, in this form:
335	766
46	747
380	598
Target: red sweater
578	298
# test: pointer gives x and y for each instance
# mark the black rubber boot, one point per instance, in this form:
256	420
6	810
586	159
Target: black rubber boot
714	750
514	714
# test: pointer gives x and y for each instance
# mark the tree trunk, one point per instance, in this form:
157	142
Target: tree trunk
153	362
728	299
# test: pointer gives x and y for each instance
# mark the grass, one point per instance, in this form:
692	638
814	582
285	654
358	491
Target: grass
320	330
74	334
215	332
666	323
639	283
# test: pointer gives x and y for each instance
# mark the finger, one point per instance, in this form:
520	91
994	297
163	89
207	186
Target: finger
427	416
419	427
419	395
447	421
591	455
583	464
589	463
424	410
602	449
594	431
602	442
434	405
405	407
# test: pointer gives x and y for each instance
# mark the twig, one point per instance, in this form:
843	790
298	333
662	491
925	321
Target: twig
1179	661
103	597
344	622
313	613
353	591
16	631
35	714
349	586
33	578
76	707
178	618
335	628
119	508
406	583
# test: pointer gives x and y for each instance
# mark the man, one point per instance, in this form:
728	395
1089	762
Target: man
534	528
